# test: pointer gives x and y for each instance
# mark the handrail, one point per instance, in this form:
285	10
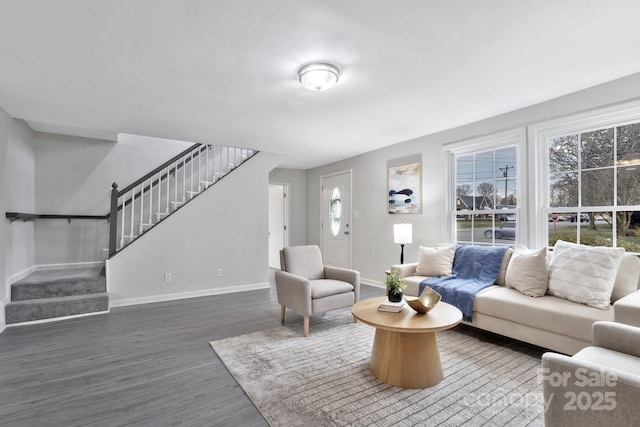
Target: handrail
13	216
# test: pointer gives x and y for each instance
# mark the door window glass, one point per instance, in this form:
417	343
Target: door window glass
335	212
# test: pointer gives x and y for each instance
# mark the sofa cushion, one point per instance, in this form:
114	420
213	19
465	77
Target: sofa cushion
548	313
584	274
626	278
325	287
413	285
435	262
527	271
502	274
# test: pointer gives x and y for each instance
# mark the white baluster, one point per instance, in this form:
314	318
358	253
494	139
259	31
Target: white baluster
206	171
122	223
150	201
133	200
140	224
168	197
175	185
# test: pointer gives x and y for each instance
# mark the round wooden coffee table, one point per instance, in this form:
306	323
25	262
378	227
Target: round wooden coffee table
405	352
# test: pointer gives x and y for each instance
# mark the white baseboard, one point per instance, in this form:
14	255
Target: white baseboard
183	295
69	266
374	283
20	275
3	304
55	319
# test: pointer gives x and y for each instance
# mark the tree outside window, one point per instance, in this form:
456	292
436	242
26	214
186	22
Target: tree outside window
594	185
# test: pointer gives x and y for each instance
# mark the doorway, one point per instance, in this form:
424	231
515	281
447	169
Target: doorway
278	238
336	219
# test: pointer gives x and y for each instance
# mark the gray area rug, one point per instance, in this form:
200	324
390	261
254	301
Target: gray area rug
324	380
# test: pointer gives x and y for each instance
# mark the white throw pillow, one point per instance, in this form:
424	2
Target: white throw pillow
435	261
584	274
502	274
527	271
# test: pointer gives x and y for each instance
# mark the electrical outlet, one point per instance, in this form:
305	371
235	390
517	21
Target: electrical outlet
167	277
219	272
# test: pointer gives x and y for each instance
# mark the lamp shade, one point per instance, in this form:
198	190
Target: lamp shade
402	233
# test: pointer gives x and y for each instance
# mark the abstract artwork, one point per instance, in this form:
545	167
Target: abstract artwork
404	182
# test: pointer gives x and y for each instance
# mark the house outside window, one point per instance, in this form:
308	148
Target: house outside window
591	186
486	175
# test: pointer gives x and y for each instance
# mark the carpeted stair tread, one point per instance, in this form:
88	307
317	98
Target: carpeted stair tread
48	308
59	283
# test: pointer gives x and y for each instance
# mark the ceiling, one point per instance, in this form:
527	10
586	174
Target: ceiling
225	71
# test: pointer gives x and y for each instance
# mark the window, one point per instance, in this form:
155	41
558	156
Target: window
335	212
594	187
588	178
486	204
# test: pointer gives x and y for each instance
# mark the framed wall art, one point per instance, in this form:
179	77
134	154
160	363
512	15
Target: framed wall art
404	182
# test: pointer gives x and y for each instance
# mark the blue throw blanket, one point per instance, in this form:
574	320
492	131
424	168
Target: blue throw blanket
474	268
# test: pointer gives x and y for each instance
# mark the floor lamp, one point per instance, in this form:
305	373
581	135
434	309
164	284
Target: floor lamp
402	233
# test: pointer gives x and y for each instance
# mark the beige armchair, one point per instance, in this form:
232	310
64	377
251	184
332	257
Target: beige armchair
599	385
308	287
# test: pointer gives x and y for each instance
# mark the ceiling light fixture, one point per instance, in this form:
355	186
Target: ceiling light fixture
318	76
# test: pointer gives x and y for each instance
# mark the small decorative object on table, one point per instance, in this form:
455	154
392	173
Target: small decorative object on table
425	302
395	285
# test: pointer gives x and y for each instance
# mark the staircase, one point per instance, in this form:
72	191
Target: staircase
140	206
135	210
57	293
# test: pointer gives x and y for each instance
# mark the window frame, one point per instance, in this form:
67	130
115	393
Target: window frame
539	135
488	143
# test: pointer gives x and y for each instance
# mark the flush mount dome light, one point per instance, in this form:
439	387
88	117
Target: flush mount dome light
318	76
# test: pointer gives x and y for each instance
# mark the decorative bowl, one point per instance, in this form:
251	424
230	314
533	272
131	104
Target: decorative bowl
425	302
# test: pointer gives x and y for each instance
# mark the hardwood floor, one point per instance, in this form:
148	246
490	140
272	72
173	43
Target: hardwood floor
145	365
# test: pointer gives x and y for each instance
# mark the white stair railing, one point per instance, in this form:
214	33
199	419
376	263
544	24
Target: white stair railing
138	207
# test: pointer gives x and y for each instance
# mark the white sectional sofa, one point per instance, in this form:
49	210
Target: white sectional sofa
547	321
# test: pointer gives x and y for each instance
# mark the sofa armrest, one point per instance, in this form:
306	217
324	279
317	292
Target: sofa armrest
405	270
346	275
627	309
294	292
571	400
617	337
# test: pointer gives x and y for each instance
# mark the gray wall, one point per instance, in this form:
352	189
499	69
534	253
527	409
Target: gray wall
225	227
373	247
74	176
16	194
297	180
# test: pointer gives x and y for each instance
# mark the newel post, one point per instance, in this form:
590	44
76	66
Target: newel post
113	220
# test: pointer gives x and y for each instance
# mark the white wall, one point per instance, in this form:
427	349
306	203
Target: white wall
373	247
17	178
297	180
74	176
225	227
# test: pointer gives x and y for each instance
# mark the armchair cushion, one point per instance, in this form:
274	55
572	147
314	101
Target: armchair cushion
325	287
610	358
305	261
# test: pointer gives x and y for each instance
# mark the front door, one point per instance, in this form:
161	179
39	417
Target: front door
336	219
